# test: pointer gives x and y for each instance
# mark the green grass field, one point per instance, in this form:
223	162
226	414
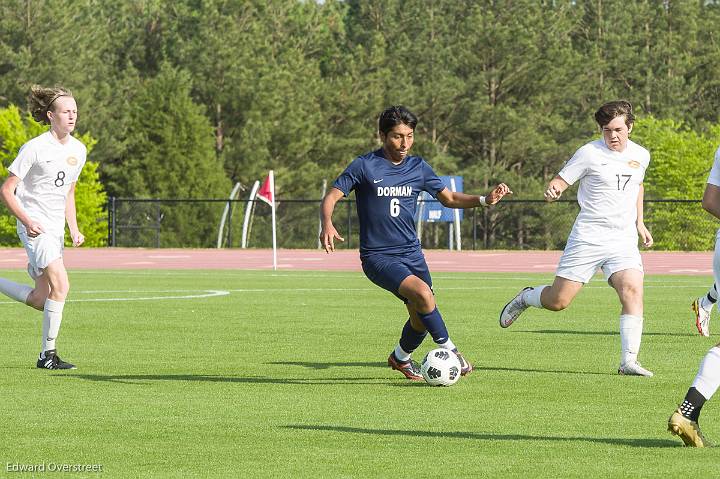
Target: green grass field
285	376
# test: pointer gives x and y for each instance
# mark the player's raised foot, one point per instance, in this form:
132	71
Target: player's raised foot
53	361
634	368
702	318
410	369
687	429
513	309
465	366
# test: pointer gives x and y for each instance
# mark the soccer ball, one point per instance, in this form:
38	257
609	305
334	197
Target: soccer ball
440	367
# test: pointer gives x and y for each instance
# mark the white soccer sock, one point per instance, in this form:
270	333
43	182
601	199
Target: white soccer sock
706	304
447	345
713	293
18	292
401	355
532	296
52	317
630	335
708	377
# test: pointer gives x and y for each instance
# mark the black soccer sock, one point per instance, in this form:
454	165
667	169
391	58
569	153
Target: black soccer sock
693	403
411	339
435	325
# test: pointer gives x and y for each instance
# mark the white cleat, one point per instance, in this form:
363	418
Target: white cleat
512	311
634	369
702	318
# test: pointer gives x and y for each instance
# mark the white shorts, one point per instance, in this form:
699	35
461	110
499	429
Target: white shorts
581	260
41	250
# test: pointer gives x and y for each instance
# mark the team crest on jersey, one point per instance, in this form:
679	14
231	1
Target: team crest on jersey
634	164
72	161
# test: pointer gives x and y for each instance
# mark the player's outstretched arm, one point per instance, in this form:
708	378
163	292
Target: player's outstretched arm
555	189
711	200
328	233
455	199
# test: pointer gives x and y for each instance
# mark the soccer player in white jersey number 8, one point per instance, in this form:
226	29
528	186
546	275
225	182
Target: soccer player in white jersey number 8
605	234
40	192
387	182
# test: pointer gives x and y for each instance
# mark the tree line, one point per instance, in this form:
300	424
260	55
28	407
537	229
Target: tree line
185	98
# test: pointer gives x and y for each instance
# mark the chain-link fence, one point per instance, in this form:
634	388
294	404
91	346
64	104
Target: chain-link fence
513	224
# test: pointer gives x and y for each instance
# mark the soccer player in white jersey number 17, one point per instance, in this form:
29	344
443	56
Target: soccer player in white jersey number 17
605	234
40	192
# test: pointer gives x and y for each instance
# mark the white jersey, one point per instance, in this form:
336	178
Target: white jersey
714	178
608	192
47	169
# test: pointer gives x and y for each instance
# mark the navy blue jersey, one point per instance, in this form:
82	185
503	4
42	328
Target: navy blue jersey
386	197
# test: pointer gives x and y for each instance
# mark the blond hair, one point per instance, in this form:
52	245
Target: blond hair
41	101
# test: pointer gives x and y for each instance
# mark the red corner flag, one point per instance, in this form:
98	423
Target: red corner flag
266	193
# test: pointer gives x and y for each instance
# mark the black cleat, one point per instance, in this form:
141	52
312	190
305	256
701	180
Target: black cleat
53	361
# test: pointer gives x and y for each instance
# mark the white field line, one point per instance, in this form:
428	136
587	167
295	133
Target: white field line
679	280
215	293
206	294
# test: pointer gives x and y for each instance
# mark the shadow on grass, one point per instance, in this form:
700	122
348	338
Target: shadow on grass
144	378
551	371
595	333
315	365
482	436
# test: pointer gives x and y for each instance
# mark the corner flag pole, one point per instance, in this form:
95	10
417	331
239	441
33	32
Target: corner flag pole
272	206
267	194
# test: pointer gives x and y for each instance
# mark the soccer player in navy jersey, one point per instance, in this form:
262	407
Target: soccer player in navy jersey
387	182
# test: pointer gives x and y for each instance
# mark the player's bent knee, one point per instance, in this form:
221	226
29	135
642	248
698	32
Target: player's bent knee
418	293
59	289
426	296
631	294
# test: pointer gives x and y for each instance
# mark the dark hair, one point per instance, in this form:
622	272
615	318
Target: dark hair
396	115
613	109
41	101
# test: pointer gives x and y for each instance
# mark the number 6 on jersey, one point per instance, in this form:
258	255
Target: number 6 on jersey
394	207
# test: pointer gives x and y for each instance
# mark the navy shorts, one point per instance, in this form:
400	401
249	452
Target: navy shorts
389	270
